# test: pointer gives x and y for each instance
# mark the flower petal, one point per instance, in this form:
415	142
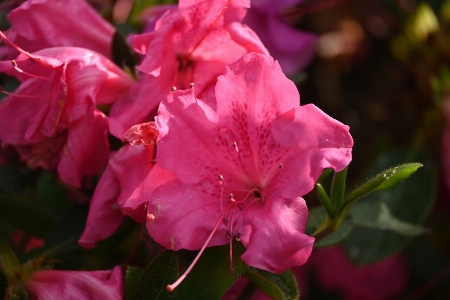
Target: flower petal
87	149
273	235
72	285
315	141
104	215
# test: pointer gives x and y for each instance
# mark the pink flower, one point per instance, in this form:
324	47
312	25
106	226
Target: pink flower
124	188
191	44
379	281
51	118
39	24
76	285
243	168
293	48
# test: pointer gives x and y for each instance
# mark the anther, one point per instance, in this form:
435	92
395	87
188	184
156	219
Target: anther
220	177
230	196
280	166
235	147
150	217
174	88
191	85
238	236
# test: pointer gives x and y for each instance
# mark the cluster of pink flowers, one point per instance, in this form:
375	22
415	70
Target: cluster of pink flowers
219	148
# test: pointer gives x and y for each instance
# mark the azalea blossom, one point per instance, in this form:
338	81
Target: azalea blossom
76	285
125	186
52	119
190	44
40	24
243	168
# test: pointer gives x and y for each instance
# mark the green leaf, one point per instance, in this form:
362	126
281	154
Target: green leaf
383	181
378	216
11	181
32	219
162	271
68	229
325	200
8	260
131	281
317	217
211	277
338	188
281	287
410	202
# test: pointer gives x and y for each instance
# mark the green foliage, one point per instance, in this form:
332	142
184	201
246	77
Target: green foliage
154	279
385	221
378	216
132	276
282	286
11	181
317	217
211	277
8	260
31	218
383	181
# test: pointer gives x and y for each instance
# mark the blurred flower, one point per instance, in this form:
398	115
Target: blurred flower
379	281
40	24
293	48
244	167
51	118
76	285
190	44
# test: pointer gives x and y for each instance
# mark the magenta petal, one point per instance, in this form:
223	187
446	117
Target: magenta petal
42	24
185	216
273	235
104	215
138	177
136	105
87	149
56	284
323	143
187	123
28	120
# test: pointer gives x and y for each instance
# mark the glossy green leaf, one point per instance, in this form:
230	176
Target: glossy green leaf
378	216
317	217
131	281
11	181
162	271
278	286
31	218
8	259
383	181
212	277
410	202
